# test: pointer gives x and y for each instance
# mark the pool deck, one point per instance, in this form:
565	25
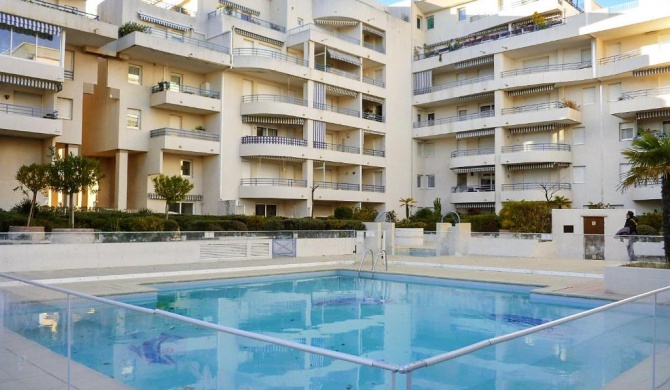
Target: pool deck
25	365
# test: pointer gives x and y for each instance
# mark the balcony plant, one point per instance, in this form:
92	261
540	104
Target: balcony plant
200	128
131	27
569	103
538	20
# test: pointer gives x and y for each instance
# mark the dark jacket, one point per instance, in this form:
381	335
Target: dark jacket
631	224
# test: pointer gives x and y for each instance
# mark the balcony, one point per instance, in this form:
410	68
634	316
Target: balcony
473	193
174	50
552	112
472	157
337	147
173	6
273	146
274	188
27	121
454	124
279	105
339	72
633	102
650	191
646	56
535	191
183	98
251	19
535	153
253	58
192	142
348	192
557	73
312	28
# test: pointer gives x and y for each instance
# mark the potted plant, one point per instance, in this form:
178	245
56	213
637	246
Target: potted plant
200	128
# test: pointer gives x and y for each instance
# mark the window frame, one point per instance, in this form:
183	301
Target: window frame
139	75
183	164
622	137
462	14
129	116
430	22
430	181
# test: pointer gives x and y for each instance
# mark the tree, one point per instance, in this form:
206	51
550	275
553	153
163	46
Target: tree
407	202
171	188
437	208
71	174
649	158
561	201
33	179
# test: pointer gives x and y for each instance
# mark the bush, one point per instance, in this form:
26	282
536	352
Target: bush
646	230
23	207
484	223
364	214
130	27
526	217
653	219
424	214
233	226
343	212
352	224
151	224
273	224
405	224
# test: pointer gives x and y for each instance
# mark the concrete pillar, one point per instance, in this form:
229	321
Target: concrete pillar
121	180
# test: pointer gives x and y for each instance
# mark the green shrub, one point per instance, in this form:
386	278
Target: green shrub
273	224
405	224
646	230
653	219
233	226
335	224
204	226
130	27
364	214
526	217
424	214
23	207
149	224
484	223
343	212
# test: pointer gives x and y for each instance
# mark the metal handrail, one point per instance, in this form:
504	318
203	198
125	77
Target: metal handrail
620	57
249	51
645	93
28	111
547	68
176	7
536	186
64	8
337	185
381	254
271	181
312	26
374	152
196	134
173	87
536	147
339	72
457	118
338	109
533	107
373	188
337	147
174	38
472	152
257	139
246	18
376	47
474	188
274	98
421	91
378	83
360	266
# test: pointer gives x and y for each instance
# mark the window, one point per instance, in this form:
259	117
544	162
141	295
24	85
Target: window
626	131
266	210
186	168
461	14
181	208
135	74
134	118
418	22
623	171
588	95
419	179
666	128
431	118
431	181
175	82
64	107
578	174
266	132
418	117
430	22
69	64
578	136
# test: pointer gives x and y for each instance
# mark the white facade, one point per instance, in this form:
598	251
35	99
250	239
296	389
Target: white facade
295	107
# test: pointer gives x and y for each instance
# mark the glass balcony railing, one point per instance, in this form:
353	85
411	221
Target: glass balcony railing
196	134
543	147
28	111
263	140
271	181
248	51
472	152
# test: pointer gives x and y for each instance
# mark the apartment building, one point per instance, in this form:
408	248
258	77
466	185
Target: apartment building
295	107
528	100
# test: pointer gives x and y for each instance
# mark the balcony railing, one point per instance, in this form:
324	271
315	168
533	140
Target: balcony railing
503	7
274	99
196	134
248	51
375	46
374	117
474	188
251	139
337	147
472	152
167	86
188	198
246	18
373	188
191	41
547	68
311	26
536	186
533	107
378	83
172	6
374	152
536	147
421	91
458	118
64	8
339	110
329	185
339	72
275	182
643	93
28	111
69	74
620	57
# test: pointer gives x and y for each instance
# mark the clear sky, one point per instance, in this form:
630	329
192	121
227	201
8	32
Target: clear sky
603	3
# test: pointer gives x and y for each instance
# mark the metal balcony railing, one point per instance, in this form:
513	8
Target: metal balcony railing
378	83
340	110
337	147
472	152
533	107
378	47
274	99
547	68
536	186
453	84
172	6
311	26
188	198
248	51
64	8
458	118
329	185
165	34
474	188
339	72
374	152
251	139
246	18
28	111
69	74
374	117
536	147
620	57
196	134
275	182
643	93
167	86
373	188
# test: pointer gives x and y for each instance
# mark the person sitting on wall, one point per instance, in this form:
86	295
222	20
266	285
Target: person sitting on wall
629	229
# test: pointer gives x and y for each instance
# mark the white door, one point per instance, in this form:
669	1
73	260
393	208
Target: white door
175	82
175	122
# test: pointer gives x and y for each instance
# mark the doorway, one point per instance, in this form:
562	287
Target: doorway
594	238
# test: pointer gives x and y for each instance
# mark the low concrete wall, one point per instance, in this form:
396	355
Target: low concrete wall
406	237
634	280
315	247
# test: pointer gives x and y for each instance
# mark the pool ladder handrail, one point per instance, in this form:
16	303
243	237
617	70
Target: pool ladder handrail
360	266
380	255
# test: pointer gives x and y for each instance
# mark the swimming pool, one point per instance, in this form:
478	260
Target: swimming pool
397	319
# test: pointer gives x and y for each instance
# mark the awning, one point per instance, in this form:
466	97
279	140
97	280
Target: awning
474	169
647	72
652	114
373	30
166	23
272	120
546	165
531	129
476	96
475	205
259	37
30	82
548	18
334	22
373	132
473	62
340	90
29	24
338	55
527	91
281	158
239	7
475	133
373	99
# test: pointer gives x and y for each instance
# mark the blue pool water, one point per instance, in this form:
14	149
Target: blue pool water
395	319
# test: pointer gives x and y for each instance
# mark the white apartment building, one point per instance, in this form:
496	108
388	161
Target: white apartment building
295	107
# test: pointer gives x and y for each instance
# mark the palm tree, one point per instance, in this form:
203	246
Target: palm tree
407	202
649	157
